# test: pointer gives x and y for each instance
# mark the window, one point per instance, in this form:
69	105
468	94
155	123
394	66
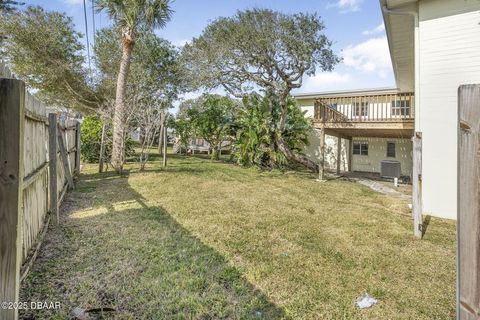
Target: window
360	109
360	148
400	107
391	149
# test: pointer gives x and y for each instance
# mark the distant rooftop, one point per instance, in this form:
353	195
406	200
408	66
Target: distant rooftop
346	93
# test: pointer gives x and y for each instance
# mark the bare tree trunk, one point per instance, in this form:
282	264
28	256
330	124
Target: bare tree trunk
215	154
102	149
160	137
165	141
282	145
119	125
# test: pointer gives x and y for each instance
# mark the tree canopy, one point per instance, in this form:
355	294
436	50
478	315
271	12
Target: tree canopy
9	5
134	15
155	71
44	51
261	50
211	117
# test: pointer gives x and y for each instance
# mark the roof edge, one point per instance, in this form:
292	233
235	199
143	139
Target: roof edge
386	22
354	92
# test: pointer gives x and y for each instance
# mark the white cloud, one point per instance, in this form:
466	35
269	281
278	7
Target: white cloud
73	2
182	42
326	81
378	29
346	5
372	56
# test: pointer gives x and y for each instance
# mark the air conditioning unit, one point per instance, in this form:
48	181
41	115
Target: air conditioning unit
390	169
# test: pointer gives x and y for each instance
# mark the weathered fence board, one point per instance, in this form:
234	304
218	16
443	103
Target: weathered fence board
12	96
52	165
35	194
63	142
28	176
417	208
5	71
468	219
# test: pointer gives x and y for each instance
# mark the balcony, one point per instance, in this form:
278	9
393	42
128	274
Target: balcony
387	115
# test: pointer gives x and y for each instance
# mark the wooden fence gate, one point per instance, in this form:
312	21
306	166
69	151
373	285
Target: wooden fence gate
468	219
38	157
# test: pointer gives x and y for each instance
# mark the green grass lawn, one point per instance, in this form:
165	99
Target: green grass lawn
203	240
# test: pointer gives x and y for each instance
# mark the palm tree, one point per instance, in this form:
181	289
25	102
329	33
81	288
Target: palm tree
130	16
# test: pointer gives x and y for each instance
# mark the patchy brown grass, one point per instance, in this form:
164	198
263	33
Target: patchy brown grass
209	240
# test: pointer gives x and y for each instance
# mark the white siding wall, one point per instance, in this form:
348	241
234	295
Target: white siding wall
312	151
449	57
377	151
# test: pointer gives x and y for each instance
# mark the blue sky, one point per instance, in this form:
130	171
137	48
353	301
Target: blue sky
355	26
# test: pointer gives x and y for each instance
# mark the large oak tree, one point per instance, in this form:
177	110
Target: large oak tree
261	49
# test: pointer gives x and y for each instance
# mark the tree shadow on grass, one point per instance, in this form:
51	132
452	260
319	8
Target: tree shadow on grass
124	254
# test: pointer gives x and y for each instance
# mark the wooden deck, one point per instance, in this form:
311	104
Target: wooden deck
388	115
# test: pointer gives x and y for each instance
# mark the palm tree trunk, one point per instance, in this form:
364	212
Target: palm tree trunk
119	125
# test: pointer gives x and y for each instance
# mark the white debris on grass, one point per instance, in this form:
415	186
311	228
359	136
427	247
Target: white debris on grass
366	301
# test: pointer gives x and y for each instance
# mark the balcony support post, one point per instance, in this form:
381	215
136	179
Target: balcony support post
350	154
339	154
321	156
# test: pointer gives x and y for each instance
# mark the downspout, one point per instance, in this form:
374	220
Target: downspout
414	14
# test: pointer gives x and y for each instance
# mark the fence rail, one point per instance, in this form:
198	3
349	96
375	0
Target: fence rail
33	180
365	108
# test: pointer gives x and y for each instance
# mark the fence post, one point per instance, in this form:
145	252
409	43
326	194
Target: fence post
77	148
468	215
52	164
64	157
12	104
417	185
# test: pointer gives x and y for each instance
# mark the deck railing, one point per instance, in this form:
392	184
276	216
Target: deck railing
367	108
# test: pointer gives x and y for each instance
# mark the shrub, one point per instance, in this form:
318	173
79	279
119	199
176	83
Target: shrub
256	130
91	137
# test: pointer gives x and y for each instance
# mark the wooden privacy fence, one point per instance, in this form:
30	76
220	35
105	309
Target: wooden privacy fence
38	158
468	219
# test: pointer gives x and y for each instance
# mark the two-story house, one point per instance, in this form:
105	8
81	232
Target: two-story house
435	48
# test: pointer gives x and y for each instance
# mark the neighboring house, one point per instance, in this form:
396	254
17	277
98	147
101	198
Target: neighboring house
434	46
199	145
135	134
